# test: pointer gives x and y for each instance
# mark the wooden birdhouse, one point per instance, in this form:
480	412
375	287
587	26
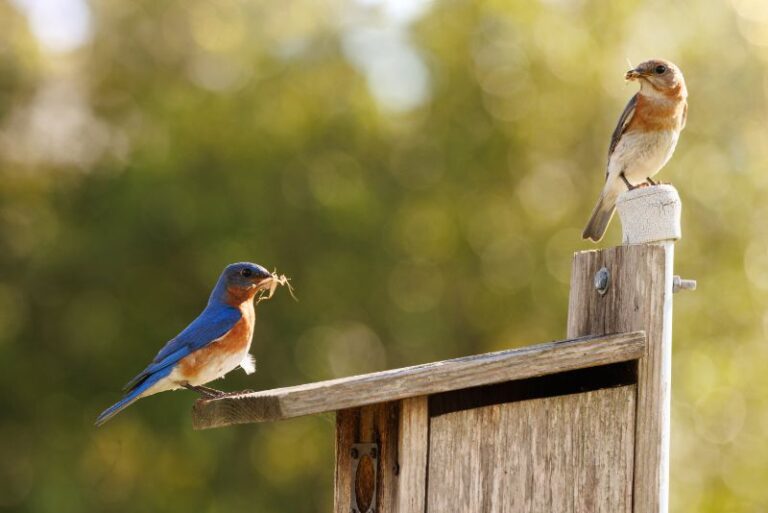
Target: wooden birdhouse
577	425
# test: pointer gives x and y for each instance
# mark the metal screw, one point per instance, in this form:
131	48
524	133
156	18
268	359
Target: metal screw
602	281
679	284
354	453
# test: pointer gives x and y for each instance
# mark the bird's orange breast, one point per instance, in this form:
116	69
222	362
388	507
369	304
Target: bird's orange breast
652	115
234	341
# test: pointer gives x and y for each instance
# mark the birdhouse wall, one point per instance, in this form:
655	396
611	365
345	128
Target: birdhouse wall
564	453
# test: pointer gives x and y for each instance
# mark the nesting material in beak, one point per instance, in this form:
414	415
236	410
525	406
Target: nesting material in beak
269	285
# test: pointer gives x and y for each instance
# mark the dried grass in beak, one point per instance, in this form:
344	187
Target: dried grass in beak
271	285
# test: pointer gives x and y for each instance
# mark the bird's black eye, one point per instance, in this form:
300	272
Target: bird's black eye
660	69
246	272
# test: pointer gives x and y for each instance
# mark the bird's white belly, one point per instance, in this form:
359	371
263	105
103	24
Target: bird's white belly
218	366
641	155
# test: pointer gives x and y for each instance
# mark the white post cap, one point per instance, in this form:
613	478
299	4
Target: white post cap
650	214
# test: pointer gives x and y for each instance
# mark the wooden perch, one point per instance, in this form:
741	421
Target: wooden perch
390	385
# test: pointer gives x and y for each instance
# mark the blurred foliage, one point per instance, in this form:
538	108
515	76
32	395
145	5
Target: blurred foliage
421	170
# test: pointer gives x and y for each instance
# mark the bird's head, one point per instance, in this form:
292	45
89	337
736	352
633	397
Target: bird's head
239	282
246	275
658	77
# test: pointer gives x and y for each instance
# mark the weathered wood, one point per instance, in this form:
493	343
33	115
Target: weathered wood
639	297
569	453
347	422
412	455
379	424
355	391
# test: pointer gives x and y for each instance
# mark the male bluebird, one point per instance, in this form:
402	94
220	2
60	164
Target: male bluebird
644	138
212	345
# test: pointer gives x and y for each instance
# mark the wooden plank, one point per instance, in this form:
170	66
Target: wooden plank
412	455
339	394
639	298
347	422
378	423
569	453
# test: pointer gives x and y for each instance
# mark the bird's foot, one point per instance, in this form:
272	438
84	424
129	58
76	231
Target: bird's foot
626	182
631	187
206	392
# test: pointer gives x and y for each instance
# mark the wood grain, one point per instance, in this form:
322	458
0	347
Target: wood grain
355	391
412	455
639	298
347	422
568	453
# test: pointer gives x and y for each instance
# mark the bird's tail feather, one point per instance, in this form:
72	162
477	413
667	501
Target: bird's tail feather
600	218
131	397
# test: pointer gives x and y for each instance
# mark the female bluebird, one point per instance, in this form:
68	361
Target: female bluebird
215	343
644	138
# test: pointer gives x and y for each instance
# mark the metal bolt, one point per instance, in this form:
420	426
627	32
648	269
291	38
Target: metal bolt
679	284
602	281
354	453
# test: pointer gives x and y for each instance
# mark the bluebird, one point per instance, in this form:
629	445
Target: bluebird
215	343
644	138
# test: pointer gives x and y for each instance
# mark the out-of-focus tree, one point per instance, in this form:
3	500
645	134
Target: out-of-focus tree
420	169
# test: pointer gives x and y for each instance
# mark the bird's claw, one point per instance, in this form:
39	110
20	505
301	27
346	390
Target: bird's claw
205	392
652	182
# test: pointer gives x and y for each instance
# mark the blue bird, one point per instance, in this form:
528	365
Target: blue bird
215	343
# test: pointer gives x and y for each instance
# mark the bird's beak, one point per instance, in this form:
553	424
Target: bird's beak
264	282
634	74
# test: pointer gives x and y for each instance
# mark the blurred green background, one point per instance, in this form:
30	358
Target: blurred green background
422	170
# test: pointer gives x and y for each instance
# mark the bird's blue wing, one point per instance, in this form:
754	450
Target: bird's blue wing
214	322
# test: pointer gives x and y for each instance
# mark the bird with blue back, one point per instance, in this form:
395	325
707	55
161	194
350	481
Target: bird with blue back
215	343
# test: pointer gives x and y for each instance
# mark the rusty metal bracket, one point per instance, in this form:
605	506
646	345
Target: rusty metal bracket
365	473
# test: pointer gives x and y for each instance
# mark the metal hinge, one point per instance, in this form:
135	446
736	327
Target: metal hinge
365	473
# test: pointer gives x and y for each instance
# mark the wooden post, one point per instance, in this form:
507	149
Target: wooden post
630	288
412	455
